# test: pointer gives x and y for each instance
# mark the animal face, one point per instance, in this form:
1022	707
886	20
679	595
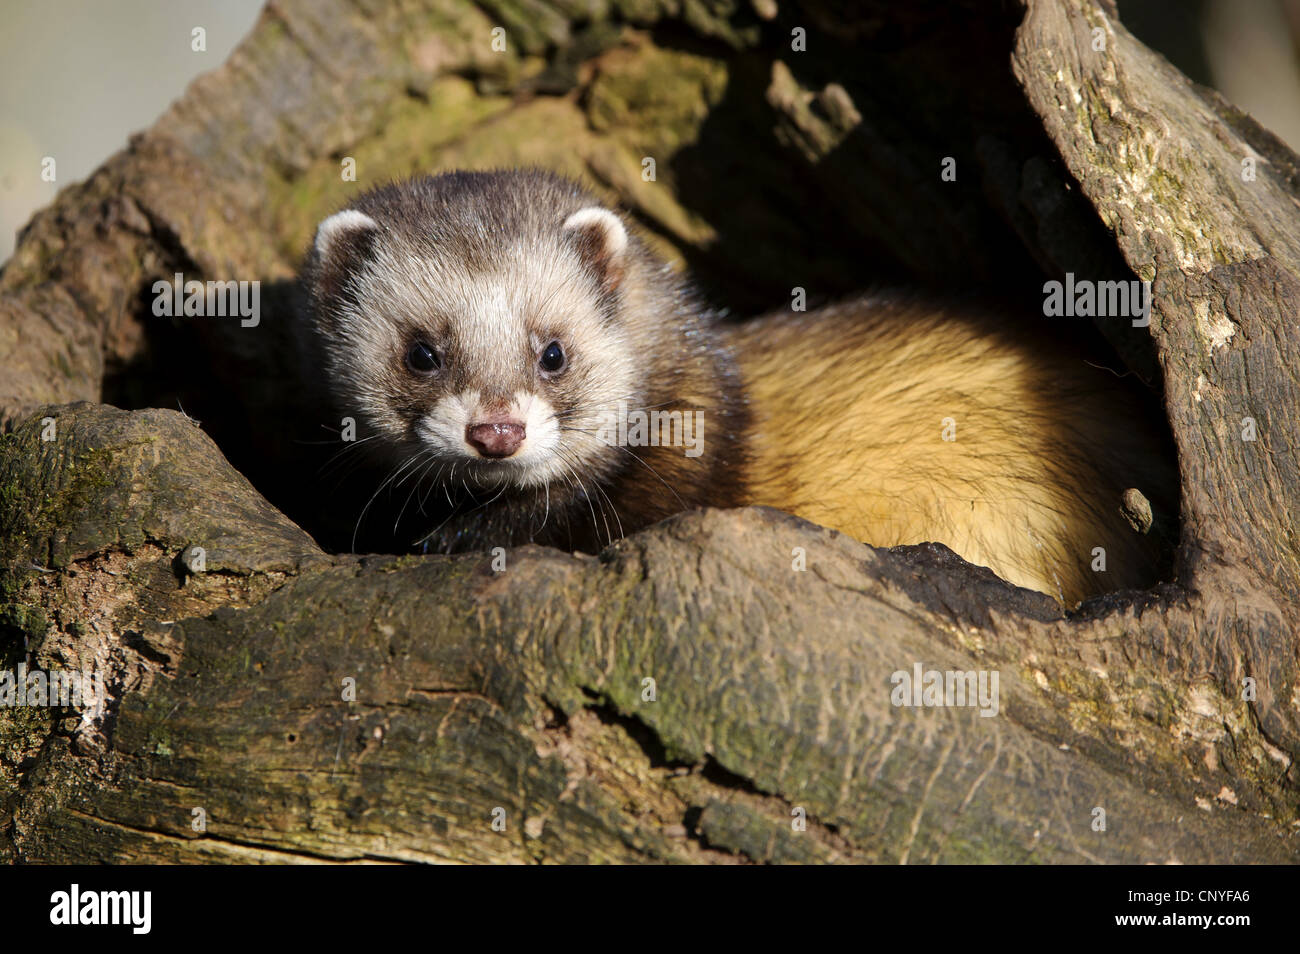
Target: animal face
489	359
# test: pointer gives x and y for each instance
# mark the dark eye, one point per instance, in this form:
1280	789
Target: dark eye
422	359
552	360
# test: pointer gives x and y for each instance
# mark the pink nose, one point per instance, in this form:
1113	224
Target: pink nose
498	439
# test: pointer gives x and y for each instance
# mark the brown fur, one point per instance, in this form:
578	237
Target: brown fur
849	405
835	415
367	302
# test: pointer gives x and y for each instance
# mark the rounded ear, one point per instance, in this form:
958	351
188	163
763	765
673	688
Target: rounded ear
601	240
342	226
342	240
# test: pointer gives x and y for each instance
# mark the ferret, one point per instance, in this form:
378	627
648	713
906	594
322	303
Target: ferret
522	368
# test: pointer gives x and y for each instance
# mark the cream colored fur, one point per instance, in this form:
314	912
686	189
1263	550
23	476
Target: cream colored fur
849	408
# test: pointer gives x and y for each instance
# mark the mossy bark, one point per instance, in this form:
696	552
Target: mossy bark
688	694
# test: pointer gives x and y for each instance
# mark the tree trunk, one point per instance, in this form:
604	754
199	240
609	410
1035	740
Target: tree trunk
687	695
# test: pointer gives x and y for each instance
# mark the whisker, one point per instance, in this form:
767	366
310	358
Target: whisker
603	494
343	450
355	530
637	459
414	487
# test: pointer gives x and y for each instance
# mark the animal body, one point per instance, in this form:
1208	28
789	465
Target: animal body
926	422
522	368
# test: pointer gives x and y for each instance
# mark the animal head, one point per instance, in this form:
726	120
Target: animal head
476	325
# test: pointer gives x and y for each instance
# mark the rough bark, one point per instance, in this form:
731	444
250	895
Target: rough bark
524	690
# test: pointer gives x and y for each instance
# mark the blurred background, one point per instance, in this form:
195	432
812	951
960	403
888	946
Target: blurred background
78	76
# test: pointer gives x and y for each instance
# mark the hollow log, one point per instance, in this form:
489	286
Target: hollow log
688	694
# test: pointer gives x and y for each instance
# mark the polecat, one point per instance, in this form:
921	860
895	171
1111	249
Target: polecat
523	368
